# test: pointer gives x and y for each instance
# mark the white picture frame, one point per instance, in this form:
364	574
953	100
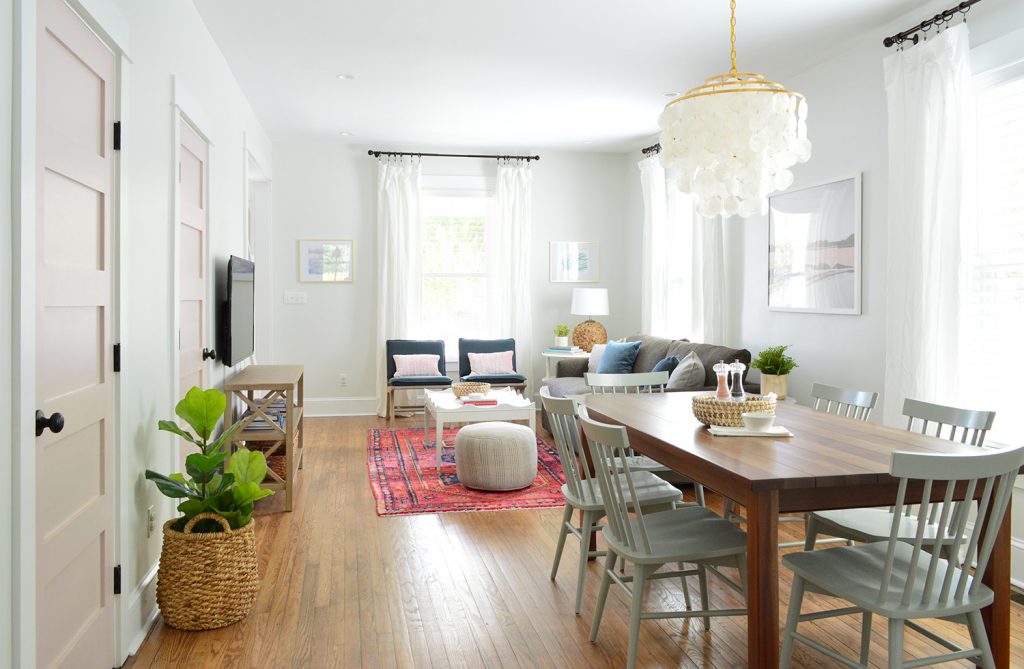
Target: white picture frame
814	248
574	262
326	261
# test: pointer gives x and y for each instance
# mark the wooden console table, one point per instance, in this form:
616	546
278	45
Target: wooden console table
270	399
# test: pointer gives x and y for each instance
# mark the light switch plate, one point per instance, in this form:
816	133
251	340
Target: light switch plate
295	298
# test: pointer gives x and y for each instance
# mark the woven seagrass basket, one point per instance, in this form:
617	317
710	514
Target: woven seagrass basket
207	580
712	411
469	387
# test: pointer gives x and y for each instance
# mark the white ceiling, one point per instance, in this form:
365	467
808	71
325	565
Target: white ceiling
522	74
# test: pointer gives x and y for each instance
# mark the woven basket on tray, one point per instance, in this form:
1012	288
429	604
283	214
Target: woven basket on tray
469	387
712	411
207	579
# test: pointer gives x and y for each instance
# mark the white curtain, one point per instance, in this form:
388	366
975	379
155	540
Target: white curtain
929	95
683	291
398	258
510	243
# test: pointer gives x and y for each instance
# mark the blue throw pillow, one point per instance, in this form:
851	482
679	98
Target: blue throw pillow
619	357
667	365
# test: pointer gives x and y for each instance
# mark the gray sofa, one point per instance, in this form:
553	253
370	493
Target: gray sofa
570	380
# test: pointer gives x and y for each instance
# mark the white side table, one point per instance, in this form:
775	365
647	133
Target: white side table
551	361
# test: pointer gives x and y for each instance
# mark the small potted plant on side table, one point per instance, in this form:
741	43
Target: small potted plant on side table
208	575
775	366
561	335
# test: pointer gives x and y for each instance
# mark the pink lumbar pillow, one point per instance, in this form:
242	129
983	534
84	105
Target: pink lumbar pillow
421	364
491	363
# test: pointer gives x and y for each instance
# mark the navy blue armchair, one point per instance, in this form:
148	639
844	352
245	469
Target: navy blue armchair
395	347
467	346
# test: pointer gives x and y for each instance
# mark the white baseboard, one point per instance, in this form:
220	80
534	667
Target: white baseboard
341	406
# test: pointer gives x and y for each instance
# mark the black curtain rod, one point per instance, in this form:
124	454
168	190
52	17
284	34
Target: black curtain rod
378	154
940	18
653	148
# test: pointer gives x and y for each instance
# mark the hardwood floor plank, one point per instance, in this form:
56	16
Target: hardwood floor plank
343	587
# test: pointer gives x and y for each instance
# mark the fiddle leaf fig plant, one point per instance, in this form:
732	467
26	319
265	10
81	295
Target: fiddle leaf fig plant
215	482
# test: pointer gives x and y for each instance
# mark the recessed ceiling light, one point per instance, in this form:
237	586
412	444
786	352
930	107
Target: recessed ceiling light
346	77
671	94
345	133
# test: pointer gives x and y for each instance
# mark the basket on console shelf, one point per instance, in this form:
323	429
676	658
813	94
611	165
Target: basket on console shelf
469	387
712	411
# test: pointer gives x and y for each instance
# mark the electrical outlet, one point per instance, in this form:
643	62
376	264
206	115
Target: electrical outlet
343	378
150	521
295	298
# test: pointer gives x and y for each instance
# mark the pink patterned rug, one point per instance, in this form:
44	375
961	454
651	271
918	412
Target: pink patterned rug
404	477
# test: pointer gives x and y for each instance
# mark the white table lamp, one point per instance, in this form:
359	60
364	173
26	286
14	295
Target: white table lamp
589	302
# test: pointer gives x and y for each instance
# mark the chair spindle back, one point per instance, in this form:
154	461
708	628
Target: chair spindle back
643	382
990	474
566	430
971	424
856	404
609	445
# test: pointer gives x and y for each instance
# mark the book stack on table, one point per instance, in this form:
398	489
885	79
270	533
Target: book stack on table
564	349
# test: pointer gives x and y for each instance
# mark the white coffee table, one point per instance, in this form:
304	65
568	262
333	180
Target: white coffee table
446	408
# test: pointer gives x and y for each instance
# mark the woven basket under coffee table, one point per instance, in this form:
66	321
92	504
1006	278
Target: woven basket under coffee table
207	580
712	411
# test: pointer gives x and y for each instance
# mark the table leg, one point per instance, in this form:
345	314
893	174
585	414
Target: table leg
763	579
997	577
439	440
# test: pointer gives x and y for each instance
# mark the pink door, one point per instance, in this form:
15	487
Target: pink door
74	462
192	263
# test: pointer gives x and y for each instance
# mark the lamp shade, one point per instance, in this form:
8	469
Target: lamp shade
589	302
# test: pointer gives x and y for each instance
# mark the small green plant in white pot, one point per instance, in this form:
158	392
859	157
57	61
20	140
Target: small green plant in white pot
561	335
775	366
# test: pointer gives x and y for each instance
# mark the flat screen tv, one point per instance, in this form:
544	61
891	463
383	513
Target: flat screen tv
239	330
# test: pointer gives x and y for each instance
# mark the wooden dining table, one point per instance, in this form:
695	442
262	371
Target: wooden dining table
830	462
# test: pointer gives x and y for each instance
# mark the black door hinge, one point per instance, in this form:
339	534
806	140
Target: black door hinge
117	357
117	580
117	135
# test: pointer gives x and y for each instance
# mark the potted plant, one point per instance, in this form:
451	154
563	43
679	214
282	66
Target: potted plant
775	366
561	335
208	575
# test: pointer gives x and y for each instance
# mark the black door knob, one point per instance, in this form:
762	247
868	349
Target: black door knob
209	354
55	423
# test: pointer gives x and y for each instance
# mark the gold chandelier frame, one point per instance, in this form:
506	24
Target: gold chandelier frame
734	81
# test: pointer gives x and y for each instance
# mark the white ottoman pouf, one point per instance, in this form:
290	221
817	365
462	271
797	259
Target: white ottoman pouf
496	456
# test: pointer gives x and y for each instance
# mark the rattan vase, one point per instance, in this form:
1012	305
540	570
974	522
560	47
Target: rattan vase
207	579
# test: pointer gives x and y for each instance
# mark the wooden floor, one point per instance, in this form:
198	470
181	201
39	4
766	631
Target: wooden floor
344	588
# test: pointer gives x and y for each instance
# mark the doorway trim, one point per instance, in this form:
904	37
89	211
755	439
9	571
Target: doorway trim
106	20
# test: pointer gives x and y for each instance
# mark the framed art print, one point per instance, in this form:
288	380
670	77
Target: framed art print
326	260
814	248
573	262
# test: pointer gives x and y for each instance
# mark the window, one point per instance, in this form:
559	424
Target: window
993	312
456	276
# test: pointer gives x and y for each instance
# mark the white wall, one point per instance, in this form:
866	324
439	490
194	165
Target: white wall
7	263
168	40
325	190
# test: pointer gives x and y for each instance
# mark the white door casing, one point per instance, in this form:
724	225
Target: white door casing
75	486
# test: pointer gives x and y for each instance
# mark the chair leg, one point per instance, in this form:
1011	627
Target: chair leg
741	567
810	532
865	637
686	587
586	530
976	625
602	594
895	643
729	509
702	578
391	409
563	531
639	581
698	490
796	598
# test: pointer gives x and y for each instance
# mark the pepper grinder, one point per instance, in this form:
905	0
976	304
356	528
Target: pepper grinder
736	369
722	370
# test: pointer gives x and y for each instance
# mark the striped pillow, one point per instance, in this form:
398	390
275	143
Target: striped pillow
491	363
421	364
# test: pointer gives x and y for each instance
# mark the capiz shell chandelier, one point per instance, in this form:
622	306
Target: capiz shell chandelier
733	139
